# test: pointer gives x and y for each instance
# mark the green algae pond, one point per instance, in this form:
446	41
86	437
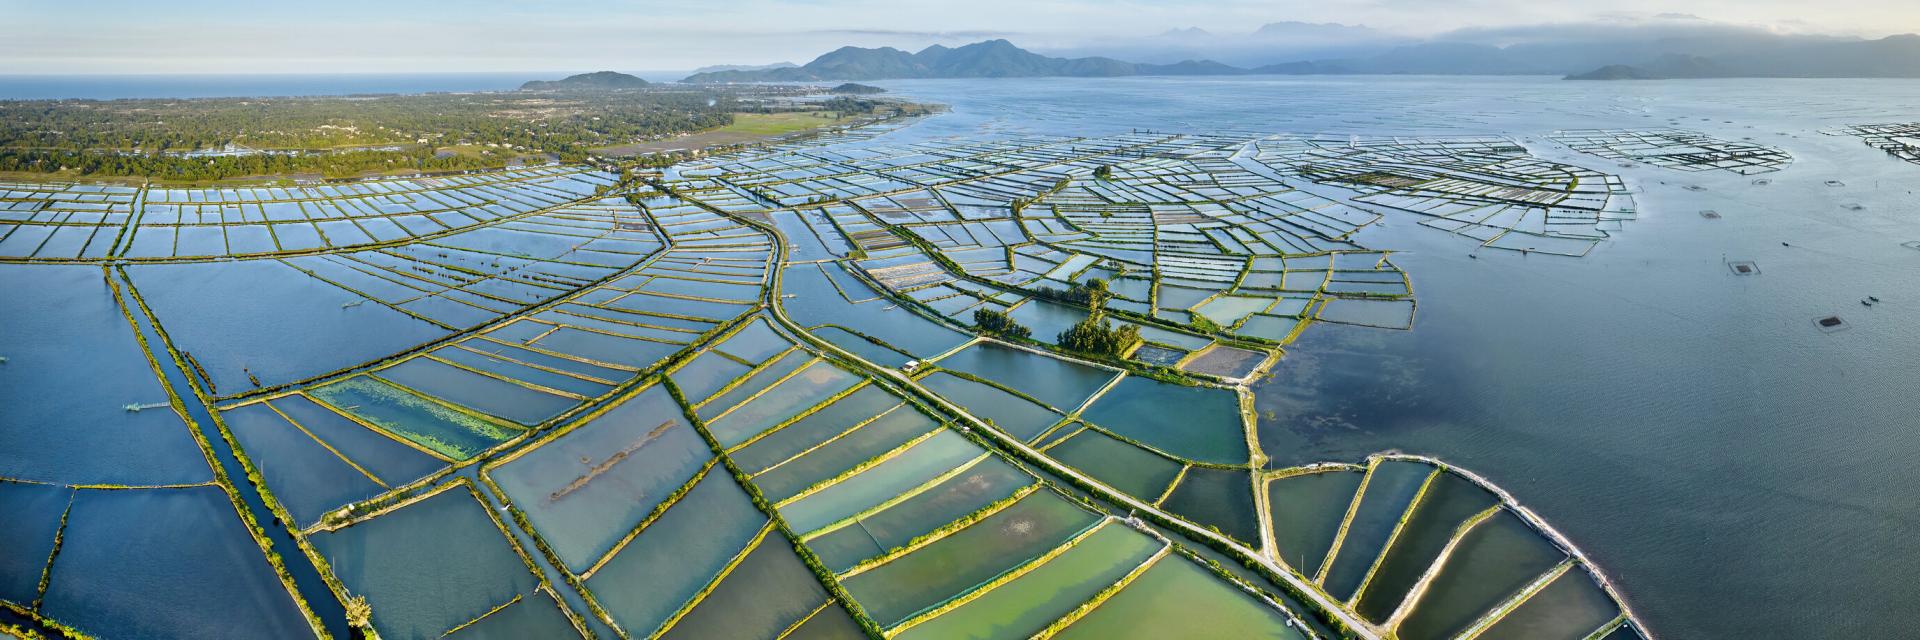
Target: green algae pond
1176	598
1030	602
925	577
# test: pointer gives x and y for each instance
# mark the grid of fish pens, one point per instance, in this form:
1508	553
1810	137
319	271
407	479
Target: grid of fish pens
1677	149
153	223
1898	139
62	221
1182	234
1486	189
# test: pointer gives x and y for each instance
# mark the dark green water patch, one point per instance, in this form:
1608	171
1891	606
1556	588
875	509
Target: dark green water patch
1177	599
948	567
1573	606
870	440
894	526
1016	416
1029	603
1450	500
830	421
1219	499
1390	490
1196	423
1138	472
1060	383
1307	510
1495	560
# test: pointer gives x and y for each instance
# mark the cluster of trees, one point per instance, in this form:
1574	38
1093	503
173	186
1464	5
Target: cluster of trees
328	135
845	105
550	121
999	323
331	165
1093	293
1098	336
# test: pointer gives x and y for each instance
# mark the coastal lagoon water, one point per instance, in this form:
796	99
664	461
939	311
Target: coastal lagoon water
1738	471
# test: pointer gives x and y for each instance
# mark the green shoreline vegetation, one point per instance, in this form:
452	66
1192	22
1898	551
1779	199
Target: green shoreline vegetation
208	139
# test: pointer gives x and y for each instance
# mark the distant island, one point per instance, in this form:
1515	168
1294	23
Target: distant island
1731	56
854	88
596	81
743	67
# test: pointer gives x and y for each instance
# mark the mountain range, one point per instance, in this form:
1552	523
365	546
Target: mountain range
988	59
1602	52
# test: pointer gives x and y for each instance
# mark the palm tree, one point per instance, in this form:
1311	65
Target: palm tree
360	617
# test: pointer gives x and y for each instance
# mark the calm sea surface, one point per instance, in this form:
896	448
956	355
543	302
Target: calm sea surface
1739	472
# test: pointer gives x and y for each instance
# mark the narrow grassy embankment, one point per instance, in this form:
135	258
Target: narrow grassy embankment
746	128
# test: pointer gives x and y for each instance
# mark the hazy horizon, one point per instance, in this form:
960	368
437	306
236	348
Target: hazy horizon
220	37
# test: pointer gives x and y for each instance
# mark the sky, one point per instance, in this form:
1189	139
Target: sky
395	36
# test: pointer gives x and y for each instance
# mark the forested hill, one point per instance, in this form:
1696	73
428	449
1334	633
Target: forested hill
596	81
989	59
